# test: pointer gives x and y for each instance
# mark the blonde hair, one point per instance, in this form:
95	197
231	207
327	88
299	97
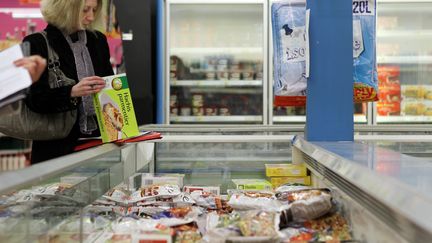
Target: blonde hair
67	14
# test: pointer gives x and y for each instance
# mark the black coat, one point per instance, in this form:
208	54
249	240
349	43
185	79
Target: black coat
43	99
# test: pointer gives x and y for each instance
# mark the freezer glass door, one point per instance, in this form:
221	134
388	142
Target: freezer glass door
404	54
216	63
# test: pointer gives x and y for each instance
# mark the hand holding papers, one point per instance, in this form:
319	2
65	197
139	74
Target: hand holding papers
13	79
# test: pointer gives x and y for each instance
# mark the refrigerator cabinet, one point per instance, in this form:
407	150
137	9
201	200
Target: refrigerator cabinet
216	62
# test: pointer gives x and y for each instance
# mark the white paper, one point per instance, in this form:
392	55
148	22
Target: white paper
12	78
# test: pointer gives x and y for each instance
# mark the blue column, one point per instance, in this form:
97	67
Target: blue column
329	106
159	63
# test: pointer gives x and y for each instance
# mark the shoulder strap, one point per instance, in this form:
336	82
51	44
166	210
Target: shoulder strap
52	55
54	73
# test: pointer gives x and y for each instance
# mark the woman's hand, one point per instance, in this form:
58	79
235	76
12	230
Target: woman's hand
88	86
35	65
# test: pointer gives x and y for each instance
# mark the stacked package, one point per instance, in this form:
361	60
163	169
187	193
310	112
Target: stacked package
280	174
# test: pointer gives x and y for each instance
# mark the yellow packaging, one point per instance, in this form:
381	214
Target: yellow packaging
285	170
114	110
278	181
252	184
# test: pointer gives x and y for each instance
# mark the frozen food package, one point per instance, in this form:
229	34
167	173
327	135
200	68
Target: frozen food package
289	52
254	200
210	201
259	223
330	228
118	195
305	204
364	51
155	191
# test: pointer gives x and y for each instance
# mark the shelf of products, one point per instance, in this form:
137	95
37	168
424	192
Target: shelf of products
404	119
14	153
219	119
404	56
383	179
302	119
215	62
216	83
215	50
404	59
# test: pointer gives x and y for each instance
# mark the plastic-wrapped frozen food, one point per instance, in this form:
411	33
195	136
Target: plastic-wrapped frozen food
188	233
183	199
41	192
298	235
289	52
330	228
220	235
155	191
305	204
210	201
53	189
244	200
259	223
118	195
291	188
221	226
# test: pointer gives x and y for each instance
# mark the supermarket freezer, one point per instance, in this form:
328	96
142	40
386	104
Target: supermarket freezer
215	159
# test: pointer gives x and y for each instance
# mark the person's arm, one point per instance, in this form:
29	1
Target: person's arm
35	65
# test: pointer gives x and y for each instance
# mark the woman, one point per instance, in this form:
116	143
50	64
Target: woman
84	56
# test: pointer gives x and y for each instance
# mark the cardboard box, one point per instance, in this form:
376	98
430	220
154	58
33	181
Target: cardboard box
146	179
252	184
114	110
212	189
278	181
285	170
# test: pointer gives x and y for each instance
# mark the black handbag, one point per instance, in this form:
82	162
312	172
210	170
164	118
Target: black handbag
29	125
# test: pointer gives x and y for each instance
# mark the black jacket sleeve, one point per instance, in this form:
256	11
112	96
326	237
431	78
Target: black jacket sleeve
41	97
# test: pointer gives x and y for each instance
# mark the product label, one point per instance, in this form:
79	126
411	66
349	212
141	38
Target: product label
363	7
364	93
358	46
293	42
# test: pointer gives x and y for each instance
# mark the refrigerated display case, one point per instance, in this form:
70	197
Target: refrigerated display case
216	61
395	189
385	195
403	54
63	187
404	61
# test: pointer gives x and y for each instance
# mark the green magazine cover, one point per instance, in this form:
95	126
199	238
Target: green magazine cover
114	110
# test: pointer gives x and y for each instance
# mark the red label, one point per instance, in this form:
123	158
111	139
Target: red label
290	101
364	93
